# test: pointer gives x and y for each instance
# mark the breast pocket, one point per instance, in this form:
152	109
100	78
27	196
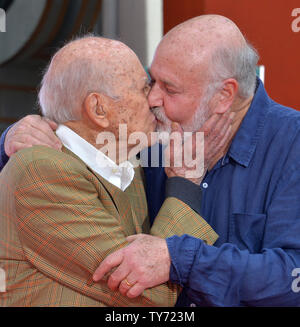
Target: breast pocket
246	230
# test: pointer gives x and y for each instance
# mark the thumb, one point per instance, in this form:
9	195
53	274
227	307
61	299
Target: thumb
175	127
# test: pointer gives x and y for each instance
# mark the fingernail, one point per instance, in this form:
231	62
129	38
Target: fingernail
175	125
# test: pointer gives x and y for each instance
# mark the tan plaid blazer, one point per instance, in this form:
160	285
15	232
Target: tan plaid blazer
59	220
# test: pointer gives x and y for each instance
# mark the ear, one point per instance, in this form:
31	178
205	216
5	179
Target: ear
225	97
95	107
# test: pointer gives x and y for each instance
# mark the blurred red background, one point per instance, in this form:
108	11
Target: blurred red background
267	24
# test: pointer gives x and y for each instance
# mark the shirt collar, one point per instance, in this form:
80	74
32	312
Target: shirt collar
119	175
244	143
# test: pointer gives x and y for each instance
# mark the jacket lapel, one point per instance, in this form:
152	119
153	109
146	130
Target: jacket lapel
117	202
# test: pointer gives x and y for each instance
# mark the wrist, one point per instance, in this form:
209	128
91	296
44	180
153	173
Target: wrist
186	191
195	176
3	155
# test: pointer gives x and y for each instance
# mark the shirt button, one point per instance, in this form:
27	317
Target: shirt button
193	305
114	170
205	185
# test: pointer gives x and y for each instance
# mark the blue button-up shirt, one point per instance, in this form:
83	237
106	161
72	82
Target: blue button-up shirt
251	198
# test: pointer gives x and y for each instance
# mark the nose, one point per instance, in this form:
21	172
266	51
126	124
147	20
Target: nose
155	97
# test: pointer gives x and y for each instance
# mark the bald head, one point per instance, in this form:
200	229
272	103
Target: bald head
217	43
208	31
106	52
89	64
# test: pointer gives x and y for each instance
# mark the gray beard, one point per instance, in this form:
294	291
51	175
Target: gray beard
200	117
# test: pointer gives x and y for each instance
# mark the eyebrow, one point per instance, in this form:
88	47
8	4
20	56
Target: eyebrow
164	81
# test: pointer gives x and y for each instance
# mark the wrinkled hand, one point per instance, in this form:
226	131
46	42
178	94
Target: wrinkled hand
191	158
144	263
29	131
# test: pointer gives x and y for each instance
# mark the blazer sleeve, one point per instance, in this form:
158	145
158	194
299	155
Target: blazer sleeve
66	231
177	218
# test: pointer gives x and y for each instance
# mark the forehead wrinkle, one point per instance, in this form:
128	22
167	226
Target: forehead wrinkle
165	78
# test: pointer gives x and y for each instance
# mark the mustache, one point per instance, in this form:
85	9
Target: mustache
159	113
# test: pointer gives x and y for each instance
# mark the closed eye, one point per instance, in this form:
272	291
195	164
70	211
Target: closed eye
151	82
147	88
170	91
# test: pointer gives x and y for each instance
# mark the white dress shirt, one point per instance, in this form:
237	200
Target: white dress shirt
119	175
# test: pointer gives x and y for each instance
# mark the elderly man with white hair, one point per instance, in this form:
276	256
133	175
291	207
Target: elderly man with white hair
63	212
249	192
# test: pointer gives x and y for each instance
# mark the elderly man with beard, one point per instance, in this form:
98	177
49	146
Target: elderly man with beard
249	192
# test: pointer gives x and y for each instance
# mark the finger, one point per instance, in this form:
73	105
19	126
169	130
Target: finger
27	142
217	134
118	276
34	126
51	123
170	172
209	124
224	139
177	136
17	146
220	127
127	283
223	127
38	137
45	133
107	264
216	128
135	291
175	127
173	153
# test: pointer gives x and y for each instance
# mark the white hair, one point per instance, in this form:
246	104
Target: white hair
63	90
238	63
